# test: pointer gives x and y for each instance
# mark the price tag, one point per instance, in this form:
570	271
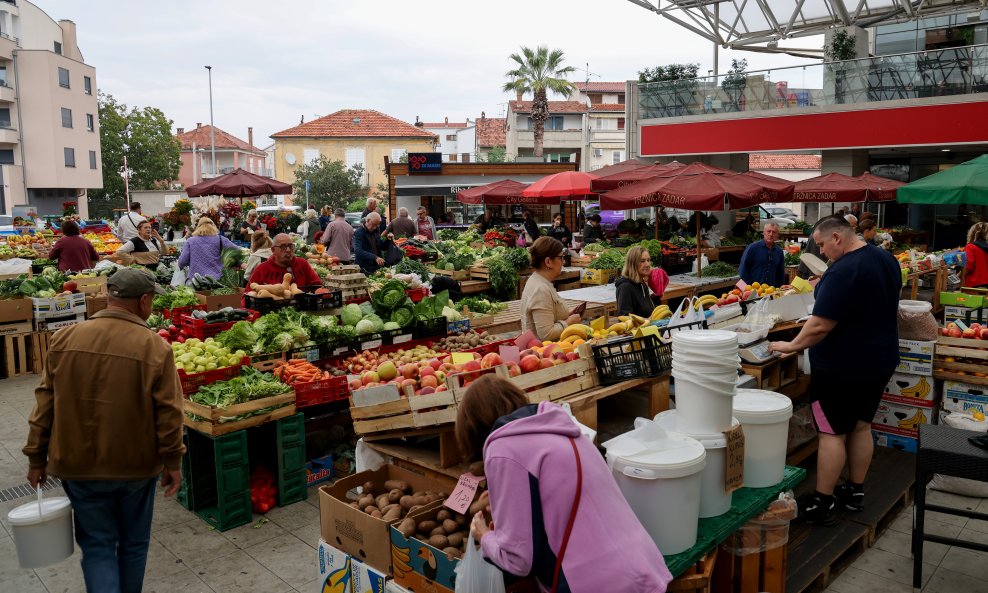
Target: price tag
339	351
734	476
740	285
463	494
525	339
401	339
462	357
509	353
371	345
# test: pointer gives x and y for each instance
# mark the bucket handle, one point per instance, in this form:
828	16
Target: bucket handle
640	473
40	514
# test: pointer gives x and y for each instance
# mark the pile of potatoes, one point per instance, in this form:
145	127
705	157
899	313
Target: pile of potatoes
465	341
447	532
394	500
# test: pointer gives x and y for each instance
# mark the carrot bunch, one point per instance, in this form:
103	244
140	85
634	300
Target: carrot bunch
298	370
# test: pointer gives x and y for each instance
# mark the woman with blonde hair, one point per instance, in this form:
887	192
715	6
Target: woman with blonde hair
203	252
976	268
260	248
633	292
250	224
309	227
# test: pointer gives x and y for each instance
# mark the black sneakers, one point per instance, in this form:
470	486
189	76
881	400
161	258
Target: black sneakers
818	509
850	496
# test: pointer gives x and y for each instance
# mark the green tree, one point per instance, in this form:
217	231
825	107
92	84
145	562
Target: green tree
331	183
539	72
144	136
669	72
675	96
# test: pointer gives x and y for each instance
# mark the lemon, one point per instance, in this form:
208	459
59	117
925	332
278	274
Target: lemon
978	416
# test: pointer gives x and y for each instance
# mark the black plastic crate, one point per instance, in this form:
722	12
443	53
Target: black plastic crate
398	336
265	304
430	328
309	301
628	358
335	348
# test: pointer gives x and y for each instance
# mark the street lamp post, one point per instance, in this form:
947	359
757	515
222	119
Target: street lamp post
212	128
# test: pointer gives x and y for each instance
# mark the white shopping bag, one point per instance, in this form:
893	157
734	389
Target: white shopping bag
179	277
475	575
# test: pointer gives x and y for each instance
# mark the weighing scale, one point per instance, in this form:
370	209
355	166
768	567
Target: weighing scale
757	352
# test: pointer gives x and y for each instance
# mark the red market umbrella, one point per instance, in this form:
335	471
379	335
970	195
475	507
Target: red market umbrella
882	189
238	184
501	193
628	165
780	189
707	191
837	187
568	184
627	177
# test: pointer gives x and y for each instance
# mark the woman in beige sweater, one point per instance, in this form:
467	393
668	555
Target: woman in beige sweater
542	309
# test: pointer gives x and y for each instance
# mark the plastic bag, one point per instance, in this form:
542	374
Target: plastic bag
475	575
767	531
179	277
704	260
686	315
367	458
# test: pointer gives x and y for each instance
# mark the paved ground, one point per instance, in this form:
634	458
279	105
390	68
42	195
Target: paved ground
279	556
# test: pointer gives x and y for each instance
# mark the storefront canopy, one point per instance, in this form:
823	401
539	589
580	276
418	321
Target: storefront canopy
568	184
836	187
501	193
967	183
238	184
780	189
703	191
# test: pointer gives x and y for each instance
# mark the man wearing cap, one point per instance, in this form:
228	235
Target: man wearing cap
108	421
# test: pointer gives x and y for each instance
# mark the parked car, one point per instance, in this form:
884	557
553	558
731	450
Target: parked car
609	219
764	216
354	219
779	212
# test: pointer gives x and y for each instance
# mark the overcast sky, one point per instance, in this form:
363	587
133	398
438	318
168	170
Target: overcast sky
275	61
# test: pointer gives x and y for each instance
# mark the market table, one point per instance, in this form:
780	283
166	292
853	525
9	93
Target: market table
509	320
939	283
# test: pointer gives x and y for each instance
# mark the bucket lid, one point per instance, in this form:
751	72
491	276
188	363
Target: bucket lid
51	508
662	454
705	338
669	420
757	406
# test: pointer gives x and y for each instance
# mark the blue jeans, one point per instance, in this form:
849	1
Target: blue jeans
113	528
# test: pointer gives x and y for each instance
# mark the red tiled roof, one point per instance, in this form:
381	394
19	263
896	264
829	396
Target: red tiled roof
784	161
372	124
554	107
606	107
201	138
445	125
600	87
490	131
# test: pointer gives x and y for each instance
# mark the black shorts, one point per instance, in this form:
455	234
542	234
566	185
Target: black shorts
840	402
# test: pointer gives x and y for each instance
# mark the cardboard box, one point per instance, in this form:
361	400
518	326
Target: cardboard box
895	441
913	390
357	533
966	314
393	587
59	306
18	327
319	470
95	304
792	307
964	397
95	285
15	310
597	277
431	569
960	299
915	357
50	324
901	419
366	579
217	302
335	569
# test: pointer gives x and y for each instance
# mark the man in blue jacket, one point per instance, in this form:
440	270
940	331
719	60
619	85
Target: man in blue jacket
763	261
369	245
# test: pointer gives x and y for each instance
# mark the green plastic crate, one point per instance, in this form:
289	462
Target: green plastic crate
292	484
233	512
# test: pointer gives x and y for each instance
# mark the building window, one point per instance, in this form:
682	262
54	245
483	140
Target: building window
3	76
598	152
596	98
465	157
63	78
69	157
92	159
87	85
66	118
310	155
621	99
450	137
553	122
6	156
616	157
452	158
397	154
5	117
90	123
58	48
620	123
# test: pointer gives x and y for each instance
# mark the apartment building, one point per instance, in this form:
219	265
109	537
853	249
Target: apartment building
564	133
231	153
454	139
605	133
489	133
49	120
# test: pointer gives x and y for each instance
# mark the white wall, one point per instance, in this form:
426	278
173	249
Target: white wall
36	28
466	141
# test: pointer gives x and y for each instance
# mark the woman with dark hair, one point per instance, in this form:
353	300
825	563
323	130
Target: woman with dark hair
593	232
542	309
976	268
559	232
74	253
143	249
558	515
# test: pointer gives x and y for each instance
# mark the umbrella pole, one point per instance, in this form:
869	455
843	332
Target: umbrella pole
699	250
656	223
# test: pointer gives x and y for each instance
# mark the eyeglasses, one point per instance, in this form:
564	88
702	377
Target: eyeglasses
283	246
557	257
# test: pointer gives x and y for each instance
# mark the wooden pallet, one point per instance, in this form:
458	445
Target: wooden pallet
458	275
17	354
213	426
41	343
968	356
697	578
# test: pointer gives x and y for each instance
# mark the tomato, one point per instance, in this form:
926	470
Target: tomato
181	339
173	329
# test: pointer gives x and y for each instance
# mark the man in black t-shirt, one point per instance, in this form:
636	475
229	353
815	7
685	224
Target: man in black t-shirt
853	326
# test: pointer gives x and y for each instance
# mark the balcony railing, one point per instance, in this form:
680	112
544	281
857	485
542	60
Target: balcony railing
16	40
934	73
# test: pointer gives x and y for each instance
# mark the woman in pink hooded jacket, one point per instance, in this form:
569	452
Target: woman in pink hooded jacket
538	468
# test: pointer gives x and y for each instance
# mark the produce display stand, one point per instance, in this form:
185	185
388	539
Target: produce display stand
509	320
966	357
213	425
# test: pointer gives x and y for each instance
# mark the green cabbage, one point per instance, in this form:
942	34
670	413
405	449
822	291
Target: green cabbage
403	316
452	314
366	308
365	326
351	314
389	296
377	321
391	326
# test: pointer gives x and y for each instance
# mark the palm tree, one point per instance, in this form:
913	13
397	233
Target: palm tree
539	71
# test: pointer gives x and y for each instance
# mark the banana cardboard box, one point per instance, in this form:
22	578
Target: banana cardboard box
964	397
895	441
912	390
335	570
419	566
968	315
916	357
901	419
393	587
366	579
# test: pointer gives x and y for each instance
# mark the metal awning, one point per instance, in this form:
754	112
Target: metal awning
448	185
740	24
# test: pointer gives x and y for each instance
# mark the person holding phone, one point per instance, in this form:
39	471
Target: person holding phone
542	309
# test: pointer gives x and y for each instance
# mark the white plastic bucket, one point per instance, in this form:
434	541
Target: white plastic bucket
915	306
764	417
704	409
659	473
42	531
714	501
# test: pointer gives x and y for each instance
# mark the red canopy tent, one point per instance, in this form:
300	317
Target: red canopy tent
238	184
627	177
568	184
628	165
780	189
837	187
500	193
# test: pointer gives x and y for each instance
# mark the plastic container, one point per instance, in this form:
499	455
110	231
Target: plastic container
764	417
915	306
659	473
42	531
714	501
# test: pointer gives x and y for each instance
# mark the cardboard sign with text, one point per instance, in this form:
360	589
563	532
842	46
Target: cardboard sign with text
463	494
734	477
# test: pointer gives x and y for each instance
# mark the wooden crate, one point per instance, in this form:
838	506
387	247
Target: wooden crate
697	577
16	327
581	261
557	382
407	415
775	374
480	272
213	427
18	355
968	356
458	275
41	341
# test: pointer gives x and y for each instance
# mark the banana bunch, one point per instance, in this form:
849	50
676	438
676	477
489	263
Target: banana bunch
919	390
578	330
659	313
400	560
338	581
706	301
913	422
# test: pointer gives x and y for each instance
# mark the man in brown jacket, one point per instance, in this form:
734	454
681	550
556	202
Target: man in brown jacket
108	421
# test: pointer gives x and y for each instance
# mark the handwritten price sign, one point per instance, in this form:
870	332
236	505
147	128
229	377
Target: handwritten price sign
463	494
734	478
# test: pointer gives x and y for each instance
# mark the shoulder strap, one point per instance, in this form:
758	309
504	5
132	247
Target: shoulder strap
572	516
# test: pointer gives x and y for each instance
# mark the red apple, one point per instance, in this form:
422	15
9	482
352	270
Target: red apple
409	371
426	390
513	369
944	331
441	388
571	356
954	332
435	364
427	371
471	365
429	381
969	333
355	384
546	363
984	333
529	363
490	360
370	377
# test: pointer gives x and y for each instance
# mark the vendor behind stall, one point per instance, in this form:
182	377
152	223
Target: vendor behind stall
142	249
542	309
283	261
558	514
634	286
73	252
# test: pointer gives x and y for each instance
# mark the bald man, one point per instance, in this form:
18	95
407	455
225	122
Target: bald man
283	261
369	245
